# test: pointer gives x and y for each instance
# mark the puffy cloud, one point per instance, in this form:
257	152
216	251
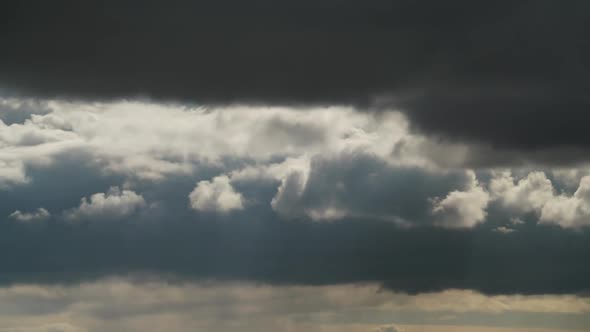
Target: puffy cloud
115	203
462	209
569	211
527	195
216	195
146	141
12	173
536	193
152	141
39	215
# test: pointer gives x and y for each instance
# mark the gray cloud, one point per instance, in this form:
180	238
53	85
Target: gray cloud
131	304
377	202
507	73
257	244
331	189
18	110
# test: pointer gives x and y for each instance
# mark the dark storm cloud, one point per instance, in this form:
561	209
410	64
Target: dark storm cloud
510	73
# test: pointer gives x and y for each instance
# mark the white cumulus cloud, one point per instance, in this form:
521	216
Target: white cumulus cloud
217	195
536	193
526	195
569	211
115	203
462	209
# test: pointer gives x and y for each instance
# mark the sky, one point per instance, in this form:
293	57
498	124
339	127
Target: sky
299	166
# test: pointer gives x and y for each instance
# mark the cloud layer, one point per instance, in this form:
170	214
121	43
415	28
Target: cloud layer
509	73
298	165
271	194
127	304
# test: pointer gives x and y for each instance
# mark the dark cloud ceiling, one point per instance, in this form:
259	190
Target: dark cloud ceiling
510	73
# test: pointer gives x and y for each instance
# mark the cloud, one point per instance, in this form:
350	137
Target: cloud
314	185
12	173
30	134
216	195
328	188
148	304
287	200
462	209
388	328
536	193
265	248
529	194
457	69
152	141
569	211
40	214
17	110
504	230
54	327
149	141
115	203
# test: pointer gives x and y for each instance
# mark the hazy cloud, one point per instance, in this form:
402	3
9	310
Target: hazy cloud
136	304
39	215
388	328
504	230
